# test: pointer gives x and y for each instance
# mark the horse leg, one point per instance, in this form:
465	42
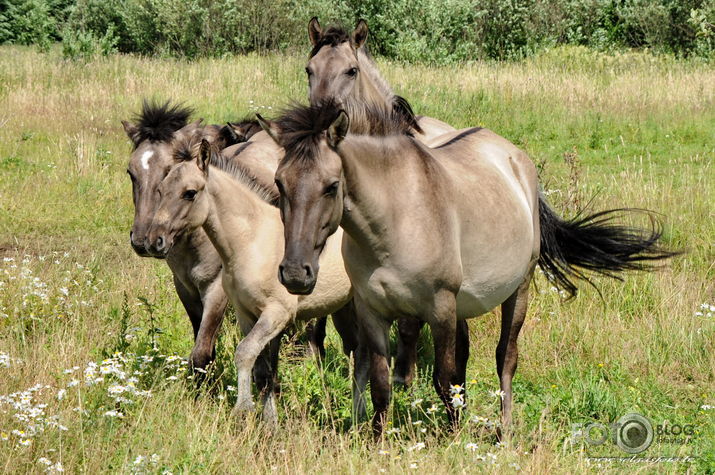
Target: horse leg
214	307
192	304
462	351
375	334
513	313
345	323
316	337
443	323
272	321
408	332
265	373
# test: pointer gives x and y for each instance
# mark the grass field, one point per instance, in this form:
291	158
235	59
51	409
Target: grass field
81	385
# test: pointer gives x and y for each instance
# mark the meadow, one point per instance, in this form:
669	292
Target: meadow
93	340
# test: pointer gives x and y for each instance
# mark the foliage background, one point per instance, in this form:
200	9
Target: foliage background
432	31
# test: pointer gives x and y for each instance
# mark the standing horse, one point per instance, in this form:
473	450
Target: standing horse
239	216
439	234
341	69
193	262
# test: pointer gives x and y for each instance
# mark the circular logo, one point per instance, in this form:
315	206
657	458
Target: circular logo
634	433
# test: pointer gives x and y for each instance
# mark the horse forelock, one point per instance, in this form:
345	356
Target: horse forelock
157	122
302	127
332	36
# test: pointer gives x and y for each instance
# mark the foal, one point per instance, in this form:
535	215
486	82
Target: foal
441	235
239	216
194	264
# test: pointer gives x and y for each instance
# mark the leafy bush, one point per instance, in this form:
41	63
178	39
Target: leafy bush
411	30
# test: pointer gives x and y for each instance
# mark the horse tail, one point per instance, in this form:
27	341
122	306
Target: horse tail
571	248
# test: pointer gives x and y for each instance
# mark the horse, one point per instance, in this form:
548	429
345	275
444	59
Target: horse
240	217
341	69
194	264
439	234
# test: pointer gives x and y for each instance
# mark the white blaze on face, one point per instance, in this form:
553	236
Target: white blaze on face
145	159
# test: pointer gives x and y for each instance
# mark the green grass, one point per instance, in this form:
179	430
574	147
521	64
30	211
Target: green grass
641	129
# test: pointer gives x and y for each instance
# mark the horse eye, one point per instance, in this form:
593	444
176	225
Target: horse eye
332	190
308	72
189	195
279	185
352	72
131	176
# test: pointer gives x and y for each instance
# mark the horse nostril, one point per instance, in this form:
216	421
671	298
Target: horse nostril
281	277
308	271
159	243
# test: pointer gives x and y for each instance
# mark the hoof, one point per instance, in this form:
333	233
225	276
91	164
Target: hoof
243	409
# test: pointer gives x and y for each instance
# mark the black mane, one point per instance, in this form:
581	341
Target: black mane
301	127
157	122
333	36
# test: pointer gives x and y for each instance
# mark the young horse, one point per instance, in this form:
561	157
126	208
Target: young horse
240	218
341	69
439	234
193	262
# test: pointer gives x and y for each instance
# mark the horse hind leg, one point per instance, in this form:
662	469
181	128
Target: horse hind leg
315	332
507	353
462	351
443	323
408	332
265	373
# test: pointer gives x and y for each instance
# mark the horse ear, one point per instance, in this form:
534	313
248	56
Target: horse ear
204	157
269	127
314	30
132	132
232	132
338	129
360	34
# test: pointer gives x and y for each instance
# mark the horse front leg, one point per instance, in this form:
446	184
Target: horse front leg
443	323
270	324
375	336
214	307
513	313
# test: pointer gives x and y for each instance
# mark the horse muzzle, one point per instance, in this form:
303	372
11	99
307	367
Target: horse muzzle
298	279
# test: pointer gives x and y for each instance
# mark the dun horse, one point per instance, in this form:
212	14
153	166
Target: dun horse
194	264
341	69
239	216
440	235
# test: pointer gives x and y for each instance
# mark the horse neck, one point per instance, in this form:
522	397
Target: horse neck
367	170
235	213
372	91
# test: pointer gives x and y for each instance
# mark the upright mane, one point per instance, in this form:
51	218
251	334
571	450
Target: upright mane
157	122
301	127
335	36
187	149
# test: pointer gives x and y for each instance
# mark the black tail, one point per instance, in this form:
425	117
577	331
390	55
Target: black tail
570	248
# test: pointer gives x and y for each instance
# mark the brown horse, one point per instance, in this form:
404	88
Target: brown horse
341	69
239	216
193	261
441	235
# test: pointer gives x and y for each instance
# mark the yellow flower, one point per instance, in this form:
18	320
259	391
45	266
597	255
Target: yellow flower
553	386
600	365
